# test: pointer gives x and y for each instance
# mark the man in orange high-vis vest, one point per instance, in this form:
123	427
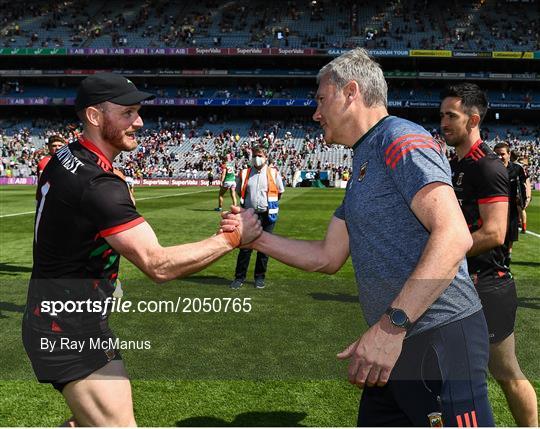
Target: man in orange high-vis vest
260	188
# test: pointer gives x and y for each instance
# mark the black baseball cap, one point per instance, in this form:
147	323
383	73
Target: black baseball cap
112	87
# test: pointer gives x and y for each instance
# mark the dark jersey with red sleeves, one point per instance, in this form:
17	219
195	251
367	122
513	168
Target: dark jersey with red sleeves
42	164
518	178
80	201
481	178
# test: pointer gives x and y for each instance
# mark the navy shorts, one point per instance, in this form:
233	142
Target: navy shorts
442	370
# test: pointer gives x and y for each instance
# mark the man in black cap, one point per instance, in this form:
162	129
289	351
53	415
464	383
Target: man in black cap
85	220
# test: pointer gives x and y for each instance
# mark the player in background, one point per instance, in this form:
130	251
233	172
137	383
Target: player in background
228	181
526	195
482	187
54	143
517	196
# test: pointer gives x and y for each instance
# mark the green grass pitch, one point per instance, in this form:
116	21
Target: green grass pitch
273	366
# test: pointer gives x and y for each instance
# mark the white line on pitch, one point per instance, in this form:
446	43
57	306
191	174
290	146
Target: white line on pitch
18	214
138	199
534	234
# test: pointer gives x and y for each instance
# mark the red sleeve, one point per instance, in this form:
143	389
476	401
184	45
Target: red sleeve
123	227
43	163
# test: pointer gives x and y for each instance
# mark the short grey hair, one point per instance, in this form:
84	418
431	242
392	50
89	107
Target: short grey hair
357	65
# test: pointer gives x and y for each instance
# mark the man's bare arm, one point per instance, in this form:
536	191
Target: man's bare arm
493	230
438	210
140	246
325	256
528	192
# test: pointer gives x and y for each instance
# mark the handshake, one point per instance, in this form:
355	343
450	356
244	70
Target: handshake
240	227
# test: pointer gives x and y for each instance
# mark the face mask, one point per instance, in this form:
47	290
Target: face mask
258	161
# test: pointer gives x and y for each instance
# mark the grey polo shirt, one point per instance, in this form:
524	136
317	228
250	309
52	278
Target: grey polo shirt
392	162
257	189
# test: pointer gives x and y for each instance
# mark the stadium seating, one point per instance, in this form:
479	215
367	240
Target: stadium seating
479	25
403	92
178	149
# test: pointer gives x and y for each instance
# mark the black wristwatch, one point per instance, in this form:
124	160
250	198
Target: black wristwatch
398	318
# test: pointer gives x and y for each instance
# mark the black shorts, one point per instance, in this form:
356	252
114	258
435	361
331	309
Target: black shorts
442	370
67	362
513	226
499	300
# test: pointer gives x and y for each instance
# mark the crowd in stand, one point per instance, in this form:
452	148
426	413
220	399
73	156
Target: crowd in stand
11	87
22	149
75	18
397	90
482	25
186	149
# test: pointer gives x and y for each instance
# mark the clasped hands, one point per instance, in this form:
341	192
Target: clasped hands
243	224
373	356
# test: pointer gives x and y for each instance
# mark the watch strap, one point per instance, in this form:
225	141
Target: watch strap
391	310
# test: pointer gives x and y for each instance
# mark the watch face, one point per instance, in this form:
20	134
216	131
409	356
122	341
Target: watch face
399	317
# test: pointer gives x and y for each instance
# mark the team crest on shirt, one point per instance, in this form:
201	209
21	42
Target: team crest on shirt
110	353
363	171
460	179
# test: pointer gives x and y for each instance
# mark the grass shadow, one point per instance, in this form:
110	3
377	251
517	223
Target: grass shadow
340	297
529	302
8	269
9	306
525	264
208	280
249	419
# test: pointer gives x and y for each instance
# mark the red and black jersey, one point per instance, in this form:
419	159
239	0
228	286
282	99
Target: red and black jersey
481	178
80	202
42	164
518	178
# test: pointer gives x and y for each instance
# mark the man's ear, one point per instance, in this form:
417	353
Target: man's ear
351	90
92	115
474	120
